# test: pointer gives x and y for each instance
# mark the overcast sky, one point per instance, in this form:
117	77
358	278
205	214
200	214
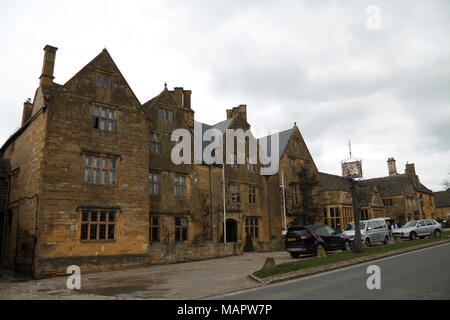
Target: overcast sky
311	62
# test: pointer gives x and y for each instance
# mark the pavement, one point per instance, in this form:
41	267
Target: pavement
422	274
190	280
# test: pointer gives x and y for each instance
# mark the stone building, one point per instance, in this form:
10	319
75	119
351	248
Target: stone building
442	200
88	180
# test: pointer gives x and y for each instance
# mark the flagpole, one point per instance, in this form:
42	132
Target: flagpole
284	200
224	209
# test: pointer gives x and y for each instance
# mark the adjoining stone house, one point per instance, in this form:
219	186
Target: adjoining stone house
294	157
336	199
404	197
442	199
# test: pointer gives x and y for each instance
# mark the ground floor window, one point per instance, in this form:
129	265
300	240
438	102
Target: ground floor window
154	229
181	229
365	214
97	224
252	226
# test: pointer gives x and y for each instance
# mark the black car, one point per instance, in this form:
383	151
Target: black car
308	238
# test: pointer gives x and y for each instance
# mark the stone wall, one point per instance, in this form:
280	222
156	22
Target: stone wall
161	254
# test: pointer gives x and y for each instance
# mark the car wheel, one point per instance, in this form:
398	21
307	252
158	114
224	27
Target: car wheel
412	236
348	246
386	240
367	242
437	233
295	254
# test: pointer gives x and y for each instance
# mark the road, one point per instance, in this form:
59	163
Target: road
423	274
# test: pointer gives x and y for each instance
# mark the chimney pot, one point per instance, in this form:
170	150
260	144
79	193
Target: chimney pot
27	111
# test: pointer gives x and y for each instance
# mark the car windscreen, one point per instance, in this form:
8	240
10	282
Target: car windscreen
298	231
351	226
410	224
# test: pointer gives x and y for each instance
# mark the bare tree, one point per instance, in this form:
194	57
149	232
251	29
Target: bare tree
446	183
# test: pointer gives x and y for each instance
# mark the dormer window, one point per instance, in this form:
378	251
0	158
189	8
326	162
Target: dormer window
102	81
165	114
104	118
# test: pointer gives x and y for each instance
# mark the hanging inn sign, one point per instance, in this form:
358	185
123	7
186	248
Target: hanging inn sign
352	169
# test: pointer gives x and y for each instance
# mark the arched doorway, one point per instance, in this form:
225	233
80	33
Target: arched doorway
231	230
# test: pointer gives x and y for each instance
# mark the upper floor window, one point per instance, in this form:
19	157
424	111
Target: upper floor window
104	118
154	179
99	170
295	193
97	225
235	192
180	186
250	166
102	81
155	143
165	114
292	165
252	194
234	163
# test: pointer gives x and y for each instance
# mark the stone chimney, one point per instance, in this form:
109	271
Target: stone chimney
241	109
182	97
410	170
27	110
392	167
48	65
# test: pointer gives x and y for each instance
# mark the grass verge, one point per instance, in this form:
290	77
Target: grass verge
338	257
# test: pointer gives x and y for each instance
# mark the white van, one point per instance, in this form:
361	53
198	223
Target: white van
372	231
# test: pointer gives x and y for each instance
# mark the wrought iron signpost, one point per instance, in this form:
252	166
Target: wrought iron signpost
352	170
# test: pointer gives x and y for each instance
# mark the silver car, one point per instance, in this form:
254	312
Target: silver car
418	229
372	231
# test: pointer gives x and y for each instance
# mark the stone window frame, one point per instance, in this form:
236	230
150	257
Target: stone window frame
102	80
295	193
181	229
90	167
104	118
154	185
252	192
155	142
165	114
179	185
155	229
292	166
252	225
104	217
235	191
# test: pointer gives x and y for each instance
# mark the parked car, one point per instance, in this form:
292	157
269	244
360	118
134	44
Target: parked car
419	228
307	239
372	231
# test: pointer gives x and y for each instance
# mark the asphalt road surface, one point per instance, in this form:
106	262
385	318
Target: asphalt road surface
423	274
